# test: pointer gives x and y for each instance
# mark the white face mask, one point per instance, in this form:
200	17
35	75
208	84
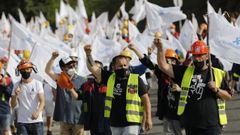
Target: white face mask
71	72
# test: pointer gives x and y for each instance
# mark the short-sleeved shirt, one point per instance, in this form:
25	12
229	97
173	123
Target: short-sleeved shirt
118	111
28	100
67	109
201	110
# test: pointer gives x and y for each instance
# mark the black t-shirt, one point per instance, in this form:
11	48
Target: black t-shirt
201	110
118	111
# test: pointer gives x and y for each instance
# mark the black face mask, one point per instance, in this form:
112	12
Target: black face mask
25	75
123	72
198	65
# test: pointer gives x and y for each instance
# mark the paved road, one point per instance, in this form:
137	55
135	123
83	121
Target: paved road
233	112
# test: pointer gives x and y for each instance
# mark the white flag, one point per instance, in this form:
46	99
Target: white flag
102	20
154	21
123	11
13	61
40	55
188	35
194	22
4	25
224	38
22	18
82	9
210	9
138	11
237	23
63	10
104	50
133	31
4	43
178	3
168	14
175	44
21	38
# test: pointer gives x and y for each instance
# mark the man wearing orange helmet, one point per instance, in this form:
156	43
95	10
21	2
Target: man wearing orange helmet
168	92
28	94
5	94
201	103
67	110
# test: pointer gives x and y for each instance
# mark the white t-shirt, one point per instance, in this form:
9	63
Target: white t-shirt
28	101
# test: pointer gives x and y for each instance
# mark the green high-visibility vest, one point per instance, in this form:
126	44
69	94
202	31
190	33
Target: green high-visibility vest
186	81
134	106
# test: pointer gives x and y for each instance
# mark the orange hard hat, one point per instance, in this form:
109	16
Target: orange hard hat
199	47
24	64
64	81
170	53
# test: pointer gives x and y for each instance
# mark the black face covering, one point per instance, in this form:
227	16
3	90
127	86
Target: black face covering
25	75
123	72
198	65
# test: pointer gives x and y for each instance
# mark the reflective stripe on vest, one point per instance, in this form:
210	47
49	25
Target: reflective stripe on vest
134	107
3	97
187	77
218	75
236	75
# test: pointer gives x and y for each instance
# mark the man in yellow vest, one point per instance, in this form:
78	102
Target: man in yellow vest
201	103
126	96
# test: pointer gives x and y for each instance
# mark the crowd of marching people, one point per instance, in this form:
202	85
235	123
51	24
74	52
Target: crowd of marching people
109	95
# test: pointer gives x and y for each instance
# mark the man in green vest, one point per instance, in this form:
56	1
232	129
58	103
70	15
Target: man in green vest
126	96
201	104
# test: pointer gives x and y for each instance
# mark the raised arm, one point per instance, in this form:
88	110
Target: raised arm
49	66
92	67
136	50
162	64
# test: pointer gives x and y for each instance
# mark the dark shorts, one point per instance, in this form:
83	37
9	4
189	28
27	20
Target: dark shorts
5	121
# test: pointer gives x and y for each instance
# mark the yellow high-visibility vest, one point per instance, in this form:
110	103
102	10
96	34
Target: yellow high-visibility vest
134	106
186	81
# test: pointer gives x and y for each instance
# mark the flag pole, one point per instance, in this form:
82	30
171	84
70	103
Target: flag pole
9	48
209	48
34	45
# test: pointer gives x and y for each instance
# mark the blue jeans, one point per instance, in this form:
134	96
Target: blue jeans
30	128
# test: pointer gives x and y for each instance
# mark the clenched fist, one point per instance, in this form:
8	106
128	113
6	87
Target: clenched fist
88	49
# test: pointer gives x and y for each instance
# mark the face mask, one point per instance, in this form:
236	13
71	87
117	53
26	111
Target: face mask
25	75
71	72
172	30
123	72
198	65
